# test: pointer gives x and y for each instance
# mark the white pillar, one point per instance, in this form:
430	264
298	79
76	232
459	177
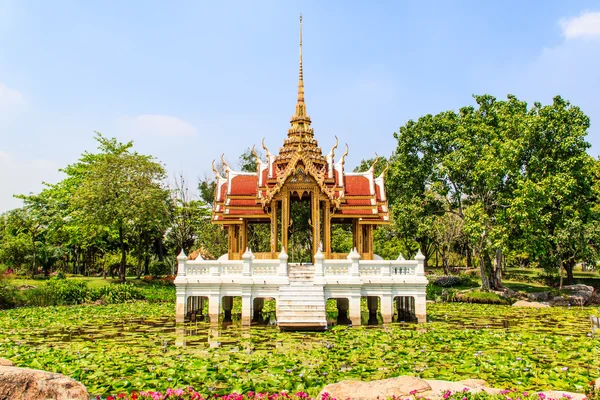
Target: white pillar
420	259
355	310
283	263
421	308
246	308
180	309
354	257
387	309
181	259
247	263
214	308
319	257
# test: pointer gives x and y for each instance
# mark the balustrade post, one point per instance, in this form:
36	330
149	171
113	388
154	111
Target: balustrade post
181	259
283	263
385	269
319	257
247	262
420	259
354	257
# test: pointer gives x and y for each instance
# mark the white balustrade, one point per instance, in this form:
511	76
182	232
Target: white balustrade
229	268
192	268
261	267
265	268
369	269
403	269
337	269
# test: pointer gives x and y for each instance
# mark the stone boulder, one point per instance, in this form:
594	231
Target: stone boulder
539	296
6	363
400	387
508	293
574	295
532	304
474	385
405	386
31	384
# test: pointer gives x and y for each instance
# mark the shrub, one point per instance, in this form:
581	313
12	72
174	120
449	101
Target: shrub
448	281
59	292
159	268
114	294
8	295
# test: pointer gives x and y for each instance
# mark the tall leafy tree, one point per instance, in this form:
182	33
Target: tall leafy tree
554	198
120	189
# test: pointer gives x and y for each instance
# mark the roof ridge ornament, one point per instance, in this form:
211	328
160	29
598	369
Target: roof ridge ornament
227	169
341	161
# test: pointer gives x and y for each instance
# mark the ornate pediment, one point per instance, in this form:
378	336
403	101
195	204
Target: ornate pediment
300	170
300	177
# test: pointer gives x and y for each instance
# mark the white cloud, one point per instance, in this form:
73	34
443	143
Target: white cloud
156	125
586	25
9	97
22	176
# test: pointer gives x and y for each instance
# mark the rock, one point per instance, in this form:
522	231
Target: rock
6	363
559	301
539	296
26	287
578	294
385	388
532	304
430	389
509	293
473	385
31	384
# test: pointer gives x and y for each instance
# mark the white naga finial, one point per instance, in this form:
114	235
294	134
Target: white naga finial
225	162
344	155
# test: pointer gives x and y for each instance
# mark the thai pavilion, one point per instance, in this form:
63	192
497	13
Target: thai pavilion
301	173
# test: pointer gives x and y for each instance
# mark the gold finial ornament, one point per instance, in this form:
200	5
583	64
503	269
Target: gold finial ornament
224	162
215	169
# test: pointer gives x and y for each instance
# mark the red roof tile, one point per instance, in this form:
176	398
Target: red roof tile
357	185
244	184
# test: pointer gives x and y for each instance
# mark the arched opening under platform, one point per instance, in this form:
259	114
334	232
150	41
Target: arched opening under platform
405	310
197	308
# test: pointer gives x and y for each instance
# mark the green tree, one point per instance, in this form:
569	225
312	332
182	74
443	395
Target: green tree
120	189
554	200
464	163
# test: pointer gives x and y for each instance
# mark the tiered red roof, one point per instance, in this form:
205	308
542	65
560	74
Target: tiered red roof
358	195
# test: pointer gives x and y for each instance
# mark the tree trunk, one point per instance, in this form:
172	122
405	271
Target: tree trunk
491	278
569	265
147	265
468	254
445	263
33	266
123	263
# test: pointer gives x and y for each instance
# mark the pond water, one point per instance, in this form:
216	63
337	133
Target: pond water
120	348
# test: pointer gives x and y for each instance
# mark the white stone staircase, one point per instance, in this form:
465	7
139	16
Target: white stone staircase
301	303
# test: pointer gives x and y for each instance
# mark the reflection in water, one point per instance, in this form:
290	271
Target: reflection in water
164	332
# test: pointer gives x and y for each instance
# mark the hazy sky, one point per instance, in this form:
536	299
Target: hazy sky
189	80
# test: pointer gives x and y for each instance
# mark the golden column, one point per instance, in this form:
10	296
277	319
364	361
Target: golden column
326	229
315	217
274	238
285	219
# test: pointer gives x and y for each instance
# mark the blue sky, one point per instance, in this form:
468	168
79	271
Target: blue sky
189	80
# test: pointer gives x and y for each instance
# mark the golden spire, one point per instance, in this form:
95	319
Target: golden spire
300	135
300	114
301	76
